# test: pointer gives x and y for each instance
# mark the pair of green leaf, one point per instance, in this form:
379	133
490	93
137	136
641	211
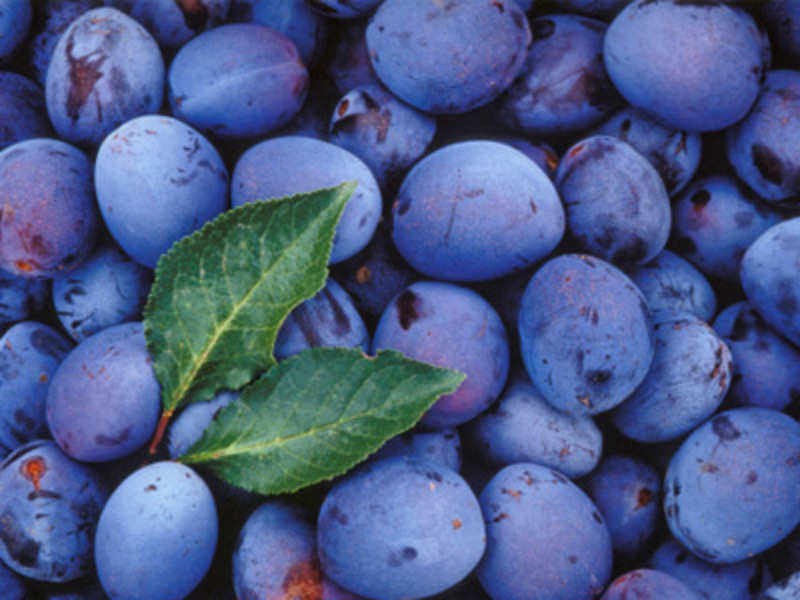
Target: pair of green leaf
212	317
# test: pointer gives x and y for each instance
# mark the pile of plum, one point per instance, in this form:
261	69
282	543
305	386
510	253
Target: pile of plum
589	207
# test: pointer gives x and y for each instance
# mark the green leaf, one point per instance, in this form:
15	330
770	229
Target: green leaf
221	294
316	415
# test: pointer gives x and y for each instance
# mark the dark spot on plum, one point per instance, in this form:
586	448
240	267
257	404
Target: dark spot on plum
598	376
717	362
724	429
19	546
768	163
339	516
434	476
743	219
676	489
500	517
195	14
107	440
499	6
403	206
596	516
84	73
542	29
751	478
408	309
150	488
699	199
409	553
303	580
644	497
48	343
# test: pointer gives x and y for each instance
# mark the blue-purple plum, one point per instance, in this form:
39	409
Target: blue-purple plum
237	81
563	87
586	334
695	66
646	583
188	427
766	368
739	581
174	22
476	210
30	353
669	282
344	9
107	289
687	381
440	447
105	70
675	154
769	277
764	148
714	222
400	528
49	508
387	134
16	17
21	297
732	484
616	204
48	214
104	401
448	57
53	18
544	537
523	427
626	492
157	180
12	586
276	557
23	114
281	167
328	319
293	18
449	326
156	535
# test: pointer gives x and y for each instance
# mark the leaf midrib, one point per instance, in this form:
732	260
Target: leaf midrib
186	383
234	450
